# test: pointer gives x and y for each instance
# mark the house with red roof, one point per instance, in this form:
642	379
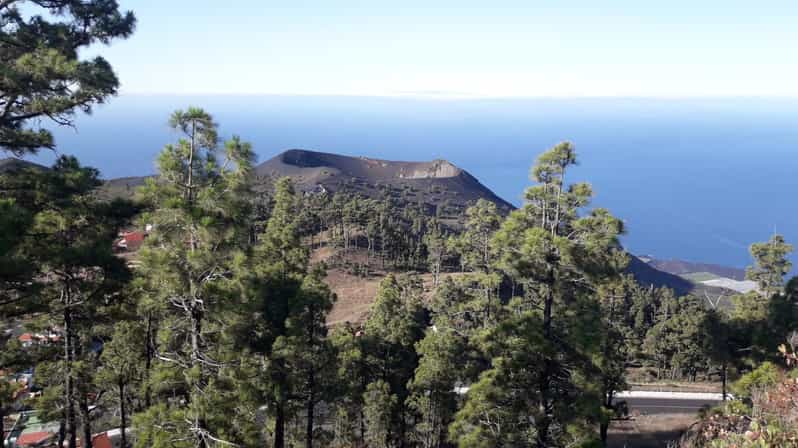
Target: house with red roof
130	241
35	439
26	339
101	441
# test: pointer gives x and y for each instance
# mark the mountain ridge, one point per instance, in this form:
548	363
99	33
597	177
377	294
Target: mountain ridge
438	183
334	172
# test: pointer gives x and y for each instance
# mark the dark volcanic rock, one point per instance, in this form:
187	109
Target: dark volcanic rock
434	182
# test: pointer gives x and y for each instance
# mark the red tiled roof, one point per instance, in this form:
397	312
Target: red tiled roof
132	240
34	438
101	441
26	337
132	237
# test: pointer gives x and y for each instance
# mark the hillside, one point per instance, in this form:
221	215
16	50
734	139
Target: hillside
438	183
685	268
647	275
11	164
123	187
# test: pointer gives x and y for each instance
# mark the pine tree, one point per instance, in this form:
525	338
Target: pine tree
681	342
122	363
380	410
557	258
352	378
395	324
614	354
280	251
482	221
503	407
477	254
763	318
435	243
188	264
770	265
433	397
305	349
74	232
16	271
43	75
276	270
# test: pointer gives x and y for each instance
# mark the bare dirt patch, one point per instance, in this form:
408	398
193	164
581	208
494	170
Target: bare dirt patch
355	293
649	431
355	296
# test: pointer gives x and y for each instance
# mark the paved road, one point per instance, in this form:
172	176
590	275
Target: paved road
666	405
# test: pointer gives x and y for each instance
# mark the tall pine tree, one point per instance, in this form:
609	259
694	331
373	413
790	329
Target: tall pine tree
188	263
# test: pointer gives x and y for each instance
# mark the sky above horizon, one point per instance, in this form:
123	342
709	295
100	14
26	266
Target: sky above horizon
460	48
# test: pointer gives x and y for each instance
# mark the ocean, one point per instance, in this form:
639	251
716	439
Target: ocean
694	179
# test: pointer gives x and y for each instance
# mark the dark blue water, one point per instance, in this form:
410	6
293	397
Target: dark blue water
693	179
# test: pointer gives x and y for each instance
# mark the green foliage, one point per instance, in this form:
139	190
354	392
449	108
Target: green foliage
163	426
280	250
433	396
766	417
233	344
436	251
352	378
557	258
16	270
508	394
188	268
475	248
43	76
770	265
122	369
377	365
381	407
678	343
68	273
762	319
761	378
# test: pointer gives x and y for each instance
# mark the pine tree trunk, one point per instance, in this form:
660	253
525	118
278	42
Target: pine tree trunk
609	383
84	416
61	432
402	424
190	180
310	410
605	425
196	361
362	418
546	406
122	414
149	354
69	409
279	425
723	380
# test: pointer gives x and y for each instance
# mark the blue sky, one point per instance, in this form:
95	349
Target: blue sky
461	48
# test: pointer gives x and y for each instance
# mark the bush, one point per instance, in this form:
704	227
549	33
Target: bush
765	376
